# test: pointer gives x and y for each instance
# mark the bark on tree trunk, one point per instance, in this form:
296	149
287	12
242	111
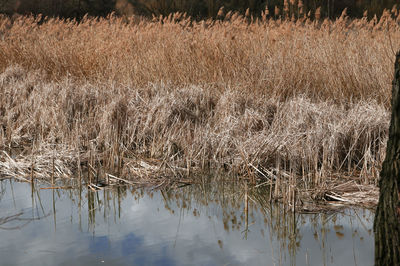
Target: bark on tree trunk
387	223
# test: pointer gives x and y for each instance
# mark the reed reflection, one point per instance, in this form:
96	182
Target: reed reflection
227	212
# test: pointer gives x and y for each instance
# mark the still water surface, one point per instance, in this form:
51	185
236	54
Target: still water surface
194	225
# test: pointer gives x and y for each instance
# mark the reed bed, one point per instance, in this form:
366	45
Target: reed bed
302	105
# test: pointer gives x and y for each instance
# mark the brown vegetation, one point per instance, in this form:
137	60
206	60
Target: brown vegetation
301	104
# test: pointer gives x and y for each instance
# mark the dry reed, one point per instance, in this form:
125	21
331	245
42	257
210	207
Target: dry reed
298	103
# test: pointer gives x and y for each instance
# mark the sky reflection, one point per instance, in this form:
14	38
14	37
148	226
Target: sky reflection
195	225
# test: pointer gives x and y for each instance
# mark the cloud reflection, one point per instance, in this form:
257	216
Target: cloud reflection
189	226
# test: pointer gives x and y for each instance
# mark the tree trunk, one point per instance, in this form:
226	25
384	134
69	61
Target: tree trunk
387	222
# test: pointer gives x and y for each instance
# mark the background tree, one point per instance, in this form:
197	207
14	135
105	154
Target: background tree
194	8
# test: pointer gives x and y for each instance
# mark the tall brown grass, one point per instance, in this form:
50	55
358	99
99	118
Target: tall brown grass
264	97
329	60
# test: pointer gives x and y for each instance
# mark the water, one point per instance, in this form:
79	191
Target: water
194	225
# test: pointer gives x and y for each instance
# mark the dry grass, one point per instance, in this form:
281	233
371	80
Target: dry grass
330	60
301	104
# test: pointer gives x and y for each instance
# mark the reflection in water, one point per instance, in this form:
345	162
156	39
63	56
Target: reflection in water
210	223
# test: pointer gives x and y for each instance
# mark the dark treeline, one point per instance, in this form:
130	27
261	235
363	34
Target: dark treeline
194	8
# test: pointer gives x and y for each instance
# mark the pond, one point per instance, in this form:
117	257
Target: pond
204	224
